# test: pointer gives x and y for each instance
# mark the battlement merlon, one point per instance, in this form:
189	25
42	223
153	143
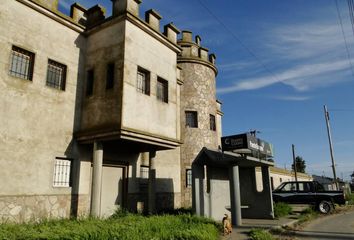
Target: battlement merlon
171	32
153	18
78	13
95	15
122	6
193	51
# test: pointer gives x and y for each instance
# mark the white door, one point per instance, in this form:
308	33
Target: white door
112	190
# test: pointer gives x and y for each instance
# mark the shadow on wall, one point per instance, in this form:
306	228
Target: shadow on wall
138	201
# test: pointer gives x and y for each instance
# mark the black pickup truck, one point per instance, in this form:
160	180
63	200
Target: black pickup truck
308	193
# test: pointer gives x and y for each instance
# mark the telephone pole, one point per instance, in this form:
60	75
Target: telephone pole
294	160
330	146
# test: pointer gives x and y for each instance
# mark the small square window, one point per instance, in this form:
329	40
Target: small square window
162	90
22	62
212	122
143	81
144	172
110	76
56	75
189	178
89	82
192	119
62	172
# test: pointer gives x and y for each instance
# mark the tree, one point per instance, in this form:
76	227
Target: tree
300	164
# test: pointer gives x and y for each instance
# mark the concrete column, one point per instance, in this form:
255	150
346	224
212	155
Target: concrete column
235	197
152	183
267	192
198	189
96	179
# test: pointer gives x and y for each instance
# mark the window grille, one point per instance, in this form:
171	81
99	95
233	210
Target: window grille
143	81
144	172
56	75
189	178
22	63
110	76
89	82
212	122
162	90
62	172
191	119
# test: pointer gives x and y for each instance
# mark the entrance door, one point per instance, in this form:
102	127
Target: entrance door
112	189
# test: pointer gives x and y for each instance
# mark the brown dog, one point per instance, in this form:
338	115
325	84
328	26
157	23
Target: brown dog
226	222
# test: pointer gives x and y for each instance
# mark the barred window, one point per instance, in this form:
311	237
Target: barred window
212	122
143	81
162	90
144	172
191	119
110	76
22	62
189	178
89	82
62	172
56	75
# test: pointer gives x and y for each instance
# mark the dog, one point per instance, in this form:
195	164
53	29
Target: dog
226	222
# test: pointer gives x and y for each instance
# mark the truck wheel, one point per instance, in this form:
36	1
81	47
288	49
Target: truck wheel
325	207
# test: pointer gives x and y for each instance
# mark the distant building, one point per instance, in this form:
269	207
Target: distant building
99	113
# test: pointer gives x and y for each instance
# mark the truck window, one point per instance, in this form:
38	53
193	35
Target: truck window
289	187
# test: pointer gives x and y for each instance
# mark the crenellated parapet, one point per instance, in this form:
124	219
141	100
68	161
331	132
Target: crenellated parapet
193	51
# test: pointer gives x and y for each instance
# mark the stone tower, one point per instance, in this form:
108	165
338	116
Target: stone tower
200	111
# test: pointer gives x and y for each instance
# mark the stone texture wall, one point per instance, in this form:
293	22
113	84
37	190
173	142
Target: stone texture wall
198	94
37	207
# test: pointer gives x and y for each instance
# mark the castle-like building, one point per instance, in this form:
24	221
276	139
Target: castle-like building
99	113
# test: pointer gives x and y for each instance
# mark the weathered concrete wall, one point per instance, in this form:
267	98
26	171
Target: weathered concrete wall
102	110
143	50
37	122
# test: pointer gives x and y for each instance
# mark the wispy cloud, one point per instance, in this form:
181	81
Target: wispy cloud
304	57
299	77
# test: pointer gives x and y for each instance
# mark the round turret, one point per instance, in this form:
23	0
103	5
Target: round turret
199	108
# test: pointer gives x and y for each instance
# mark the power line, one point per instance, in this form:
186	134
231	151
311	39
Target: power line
351	15
344	37
237	39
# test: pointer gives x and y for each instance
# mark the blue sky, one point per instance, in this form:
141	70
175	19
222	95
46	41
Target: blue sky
291	60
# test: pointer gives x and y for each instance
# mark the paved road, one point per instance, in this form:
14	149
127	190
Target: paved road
336	227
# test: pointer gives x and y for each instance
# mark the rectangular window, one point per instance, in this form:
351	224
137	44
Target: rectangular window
110	76
56	75
89	83
162	90
144	172
189	178
22	62
191	119
212	122
62	172
143	81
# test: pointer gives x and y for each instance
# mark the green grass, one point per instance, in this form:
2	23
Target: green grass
260	234
351	199
282	209
128	227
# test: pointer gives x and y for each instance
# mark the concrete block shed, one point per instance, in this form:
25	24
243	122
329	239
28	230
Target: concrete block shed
226	182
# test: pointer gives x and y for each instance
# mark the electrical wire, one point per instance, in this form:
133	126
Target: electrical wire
238	39
344	37
351	15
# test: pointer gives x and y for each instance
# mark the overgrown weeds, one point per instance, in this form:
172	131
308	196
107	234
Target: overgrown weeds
282	209
261	234
122	225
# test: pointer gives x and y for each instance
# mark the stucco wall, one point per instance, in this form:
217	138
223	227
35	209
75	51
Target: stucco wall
37	122
144	51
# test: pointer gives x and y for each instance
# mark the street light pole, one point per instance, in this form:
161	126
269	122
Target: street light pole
330	146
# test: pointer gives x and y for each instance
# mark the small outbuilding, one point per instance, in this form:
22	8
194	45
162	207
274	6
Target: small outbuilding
225	181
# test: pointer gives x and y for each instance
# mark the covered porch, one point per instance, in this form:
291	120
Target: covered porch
226	183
